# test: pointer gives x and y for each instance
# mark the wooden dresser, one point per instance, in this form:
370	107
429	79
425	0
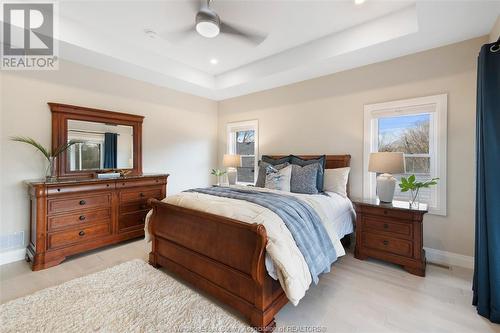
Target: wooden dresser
391	232
71	216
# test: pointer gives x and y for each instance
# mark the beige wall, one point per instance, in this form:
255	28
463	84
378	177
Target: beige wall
495	31
179	130
325	116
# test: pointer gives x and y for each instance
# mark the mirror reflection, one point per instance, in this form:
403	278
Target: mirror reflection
100	146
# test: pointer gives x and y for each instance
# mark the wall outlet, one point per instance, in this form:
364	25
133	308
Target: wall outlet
12	241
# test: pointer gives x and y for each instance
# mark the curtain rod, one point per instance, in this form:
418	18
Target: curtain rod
94	132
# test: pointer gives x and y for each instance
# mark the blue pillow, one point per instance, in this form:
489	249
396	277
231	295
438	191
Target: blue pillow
272	161
321	170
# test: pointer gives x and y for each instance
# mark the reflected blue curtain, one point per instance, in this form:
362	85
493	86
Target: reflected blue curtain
110	150
486	284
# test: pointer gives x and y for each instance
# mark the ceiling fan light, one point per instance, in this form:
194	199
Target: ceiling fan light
207	29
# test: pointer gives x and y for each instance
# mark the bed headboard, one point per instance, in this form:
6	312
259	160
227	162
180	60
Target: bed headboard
332	162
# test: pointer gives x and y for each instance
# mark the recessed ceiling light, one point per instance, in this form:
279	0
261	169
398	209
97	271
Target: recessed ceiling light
359	2
151	33
214	61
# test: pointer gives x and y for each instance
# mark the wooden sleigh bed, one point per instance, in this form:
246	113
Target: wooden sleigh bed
221	256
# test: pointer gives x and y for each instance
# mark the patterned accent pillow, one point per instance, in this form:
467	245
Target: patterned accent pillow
322	165
278	179
304	179
261	176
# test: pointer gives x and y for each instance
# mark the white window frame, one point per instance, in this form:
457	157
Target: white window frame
231	129
437	106
93	138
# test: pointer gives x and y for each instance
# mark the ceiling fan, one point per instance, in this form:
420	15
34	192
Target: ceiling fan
209	25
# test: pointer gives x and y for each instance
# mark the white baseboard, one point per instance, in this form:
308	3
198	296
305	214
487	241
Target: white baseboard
448	258
12	255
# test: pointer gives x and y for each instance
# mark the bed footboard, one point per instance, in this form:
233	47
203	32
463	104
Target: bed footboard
221	256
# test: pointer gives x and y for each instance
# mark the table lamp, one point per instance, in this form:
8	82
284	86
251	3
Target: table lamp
386	163
231	162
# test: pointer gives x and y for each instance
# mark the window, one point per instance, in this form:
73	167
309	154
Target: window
88	153
243	140
416	127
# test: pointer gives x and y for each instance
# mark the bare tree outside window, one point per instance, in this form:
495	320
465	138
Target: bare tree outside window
410	135
245	146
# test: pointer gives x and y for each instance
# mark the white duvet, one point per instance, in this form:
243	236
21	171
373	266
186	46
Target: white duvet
284	261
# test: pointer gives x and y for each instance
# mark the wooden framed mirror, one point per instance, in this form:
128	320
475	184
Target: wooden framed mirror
107	140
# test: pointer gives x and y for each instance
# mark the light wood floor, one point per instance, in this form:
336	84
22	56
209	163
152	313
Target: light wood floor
357	296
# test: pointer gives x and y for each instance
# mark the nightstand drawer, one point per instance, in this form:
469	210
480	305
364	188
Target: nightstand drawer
378	224
388	212
388	244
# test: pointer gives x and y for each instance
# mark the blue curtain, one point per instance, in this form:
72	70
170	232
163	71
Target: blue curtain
486	284
110	150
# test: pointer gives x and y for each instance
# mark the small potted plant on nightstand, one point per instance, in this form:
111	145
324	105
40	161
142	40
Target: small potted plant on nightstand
218	173
411	184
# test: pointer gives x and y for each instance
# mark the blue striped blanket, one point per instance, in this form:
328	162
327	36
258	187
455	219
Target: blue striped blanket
301	219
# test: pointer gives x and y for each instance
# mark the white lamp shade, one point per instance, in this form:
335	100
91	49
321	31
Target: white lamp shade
387	162
231	161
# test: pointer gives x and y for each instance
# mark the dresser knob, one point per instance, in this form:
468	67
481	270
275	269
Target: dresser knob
82	202
82	218
81	233
386	226
386	242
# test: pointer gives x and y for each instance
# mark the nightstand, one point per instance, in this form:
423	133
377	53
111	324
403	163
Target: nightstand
391	232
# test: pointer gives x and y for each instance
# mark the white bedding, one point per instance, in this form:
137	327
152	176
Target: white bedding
283	258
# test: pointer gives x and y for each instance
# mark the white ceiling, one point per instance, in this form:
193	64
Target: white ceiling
305	38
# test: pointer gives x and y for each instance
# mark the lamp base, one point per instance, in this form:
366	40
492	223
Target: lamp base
231	176
386	184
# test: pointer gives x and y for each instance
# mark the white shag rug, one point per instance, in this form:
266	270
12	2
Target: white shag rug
130	297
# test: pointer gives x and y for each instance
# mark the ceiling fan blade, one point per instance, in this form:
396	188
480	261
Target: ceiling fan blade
246	34
178	35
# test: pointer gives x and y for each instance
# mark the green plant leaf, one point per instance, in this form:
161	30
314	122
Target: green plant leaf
34	143
411	179
62	148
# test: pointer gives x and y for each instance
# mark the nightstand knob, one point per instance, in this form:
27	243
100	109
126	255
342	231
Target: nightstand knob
81	233
386	242
386	226
82	202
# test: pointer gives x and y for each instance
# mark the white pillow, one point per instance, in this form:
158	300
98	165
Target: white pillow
336	180
279	179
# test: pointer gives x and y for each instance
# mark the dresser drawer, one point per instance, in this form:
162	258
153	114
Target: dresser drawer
140	182
132	220
378	224
78	203
387	212
388	244
78	235
141	194
77	188
133	207
79	219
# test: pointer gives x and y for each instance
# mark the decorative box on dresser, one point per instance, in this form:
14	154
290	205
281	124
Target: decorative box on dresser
70	216
391	232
